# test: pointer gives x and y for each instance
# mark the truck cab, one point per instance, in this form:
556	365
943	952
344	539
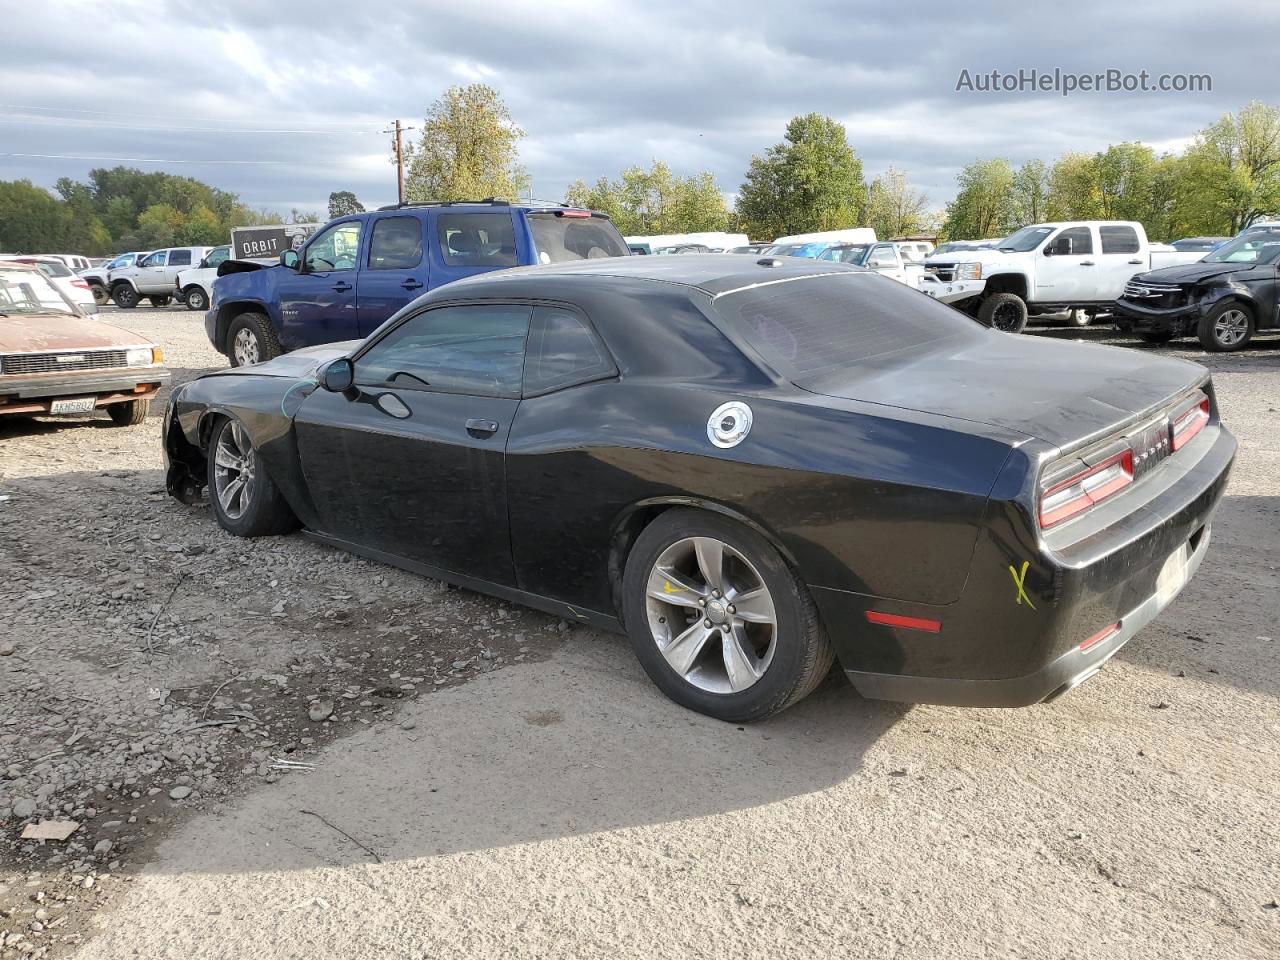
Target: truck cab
1078	266
152	276
357	271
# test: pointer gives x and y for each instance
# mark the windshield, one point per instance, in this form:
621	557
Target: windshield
852	253
1256	248
558	238
1028	238
26	291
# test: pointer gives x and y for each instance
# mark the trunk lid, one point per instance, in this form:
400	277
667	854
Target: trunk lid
1056	391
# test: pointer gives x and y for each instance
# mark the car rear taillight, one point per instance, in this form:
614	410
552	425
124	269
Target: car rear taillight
80	283
1066	498
584	214
1187	424
1105	633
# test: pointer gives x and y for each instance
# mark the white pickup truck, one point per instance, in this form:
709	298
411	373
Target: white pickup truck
1081	267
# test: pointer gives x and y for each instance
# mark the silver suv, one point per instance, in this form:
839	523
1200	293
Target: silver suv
153	276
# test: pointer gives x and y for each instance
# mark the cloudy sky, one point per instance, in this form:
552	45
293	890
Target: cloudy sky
301	90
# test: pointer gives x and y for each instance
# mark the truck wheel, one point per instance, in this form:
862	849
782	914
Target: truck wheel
1228	327
1006	312
160	301
130	413
1079	318
1151	336
196	300
251	339
125	296
100	294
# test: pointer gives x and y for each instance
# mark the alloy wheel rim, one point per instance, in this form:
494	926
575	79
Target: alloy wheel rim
711	615
196	298
246	347
1231	327
1005	317
233	469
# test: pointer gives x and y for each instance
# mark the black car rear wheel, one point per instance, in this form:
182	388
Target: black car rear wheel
1229	326
719	621
245	500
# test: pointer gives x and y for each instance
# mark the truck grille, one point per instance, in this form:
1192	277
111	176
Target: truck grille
1154	294
945	272
66	361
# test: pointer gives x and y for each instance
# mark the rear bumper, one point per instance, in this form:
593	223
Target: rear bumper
1048	683
1014	636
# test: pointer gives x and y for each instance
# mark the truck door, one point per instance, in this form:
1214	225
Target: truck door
318	300
394	271
1121	258
179	260
1066	269
464	243
148	275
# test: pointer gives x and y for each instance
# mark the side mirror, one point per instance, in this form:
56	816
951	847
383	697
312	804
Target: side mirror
339	375
289	258
1060	247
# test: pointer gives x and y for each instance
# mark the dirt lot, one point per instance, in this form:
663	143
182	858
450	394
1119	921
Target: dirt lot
486	781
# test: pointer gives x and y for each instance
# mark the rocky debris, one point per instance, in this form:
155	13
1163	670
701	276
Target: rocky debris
179	793
320	711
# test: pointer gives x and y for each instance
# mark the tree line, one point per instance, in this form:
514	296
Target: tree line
812	179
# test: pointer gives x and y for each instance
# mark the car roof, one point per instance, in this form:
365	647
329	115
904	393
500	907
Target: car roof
713	273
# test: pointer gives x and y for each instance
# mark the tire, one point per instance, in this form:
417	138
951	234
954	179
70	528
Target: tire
255	508
101	295
130	413
125	296
1006	312
781	660
1228	327
1151	336
196	298
251	339
160	301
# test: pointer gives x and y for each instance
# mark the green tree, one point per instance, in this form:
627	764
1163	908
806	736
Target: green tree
1031	193
342	203
202	228
985	205
894	207
469	149
653	201
1073	188
30	219
1232	172
1125	174
810	181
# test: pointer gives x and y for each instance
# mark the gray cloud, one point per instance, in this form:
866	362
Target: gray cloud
596	85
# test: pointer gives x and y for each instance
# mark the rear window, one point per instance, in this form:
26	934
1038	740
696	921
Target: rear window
557	238
50	268
477	239
812	328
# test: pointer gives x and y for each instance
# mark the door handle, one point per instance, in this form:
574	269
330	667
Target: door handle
482	428
1139	262
1086	263
411	284
342	286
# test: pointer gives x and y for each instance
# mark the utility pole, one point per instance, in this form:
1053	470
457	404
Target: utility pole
399	149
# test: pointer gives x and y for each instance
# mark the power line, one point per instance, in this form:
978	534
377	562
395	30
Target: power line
155	116
112	125
66	156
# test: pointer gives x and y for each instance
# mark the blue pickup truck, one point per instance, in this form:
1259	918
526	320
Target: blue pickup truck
357	271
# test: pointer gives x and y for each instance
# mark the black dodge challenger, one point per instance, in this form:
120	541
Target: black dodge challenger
753	467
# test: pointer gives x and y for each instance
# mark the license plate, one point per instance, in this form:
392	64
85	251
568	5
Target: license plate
74	405
1172	575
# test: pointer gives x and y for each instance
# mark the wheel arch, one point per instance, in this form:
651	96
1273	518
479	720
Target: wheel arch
227	313
1015	283
632	521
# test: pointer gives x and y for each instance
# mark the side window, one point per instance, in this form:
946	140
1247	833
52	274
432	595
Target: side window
154	260
883	255
563	351
476	350
1119	239
179	258
1081	240
396	243
477	239
335	249
217	256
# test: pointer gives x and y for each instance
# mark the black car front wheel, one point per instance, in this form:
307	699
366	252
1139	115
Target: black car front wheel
1229	326
718	620
245	500
1006	312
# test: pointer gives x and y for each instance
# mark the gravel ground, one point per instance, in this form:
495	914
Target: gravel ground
160	678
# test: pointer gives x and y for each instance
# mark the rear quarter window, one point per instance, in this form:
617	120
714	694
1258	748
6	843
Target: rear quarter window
812	328
477	239
1119	239
558	238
